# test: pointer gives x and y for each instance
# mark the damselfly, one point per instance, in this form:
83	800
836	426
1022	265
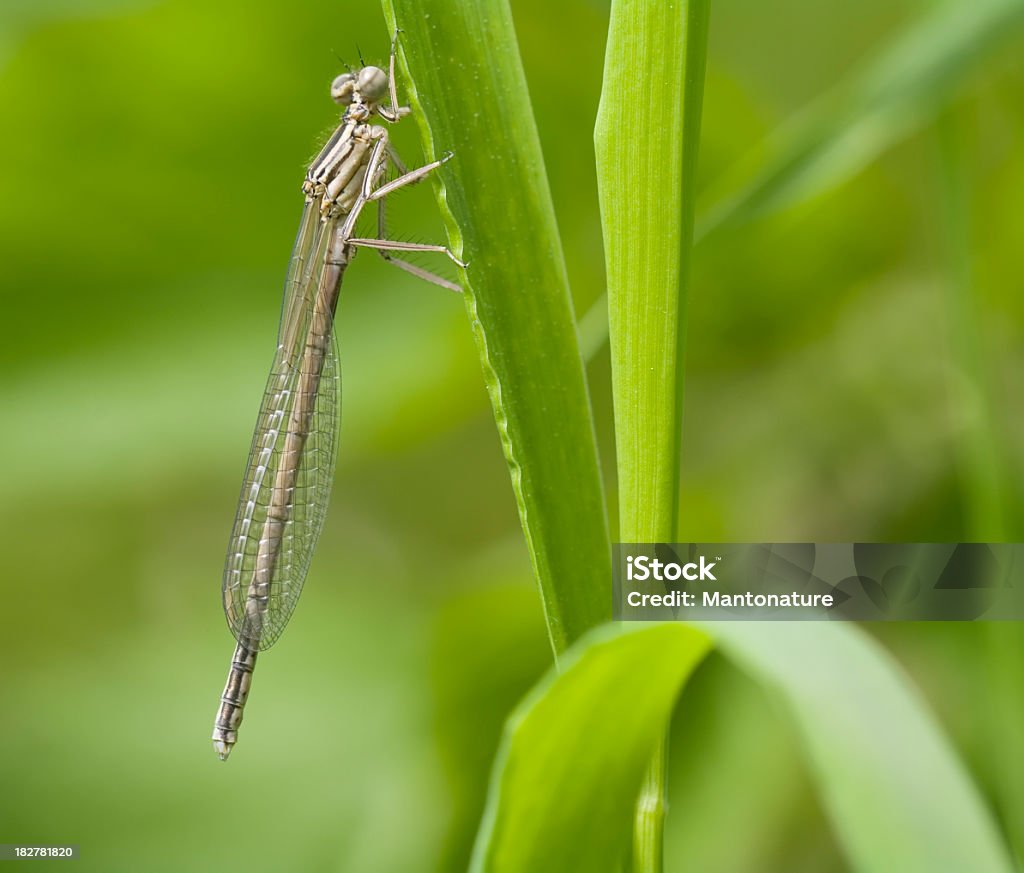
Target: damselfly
291	463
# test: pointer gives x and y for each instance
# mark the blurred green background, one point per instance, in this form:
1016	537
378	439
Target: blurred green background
151	158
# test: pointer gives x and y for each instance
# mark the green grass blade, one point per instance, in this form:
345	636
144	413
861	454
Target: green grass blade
577	749
898	797
887	99
655	59
468	91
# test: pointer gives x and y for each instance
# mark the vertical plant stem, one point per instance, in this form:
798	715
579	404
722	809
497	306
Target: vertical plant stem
648	127
647	136
649	817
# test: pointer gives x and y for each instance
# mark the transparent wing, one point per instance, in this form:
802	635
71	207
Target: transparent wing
297	284
291	463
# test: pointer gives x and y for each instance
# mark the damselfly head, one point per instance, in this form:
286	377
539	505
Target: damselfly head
369	85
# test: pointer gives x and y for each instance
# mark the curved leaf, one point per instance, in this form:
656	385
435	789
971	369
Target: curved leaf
576	750
898	796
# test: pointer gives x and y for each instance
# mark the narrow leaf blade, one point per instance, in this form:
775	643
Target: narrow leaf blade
468	92
655	58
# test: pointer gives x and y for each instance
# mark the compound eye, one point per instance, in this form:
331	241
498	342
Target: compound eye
342	88
373	84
